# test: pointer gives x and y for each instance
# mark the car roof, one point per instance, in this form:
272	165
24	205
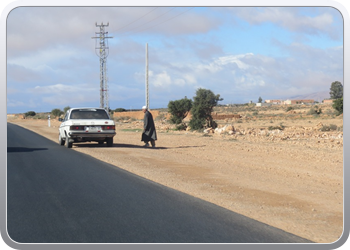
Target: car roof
87	108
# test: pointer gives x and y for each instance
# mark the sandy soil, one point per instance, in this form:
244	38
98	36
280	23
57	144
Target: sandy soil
292	183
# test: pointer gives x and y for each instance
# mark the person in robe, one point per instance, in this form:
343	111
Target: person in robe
149	133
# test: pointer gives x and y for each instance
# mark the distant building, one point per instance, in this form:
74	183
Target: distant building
329	101
273	101
289	102
263	104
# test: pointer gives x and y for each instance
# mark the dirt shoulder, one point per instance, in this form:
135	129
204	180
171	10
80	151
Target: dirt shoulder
294	183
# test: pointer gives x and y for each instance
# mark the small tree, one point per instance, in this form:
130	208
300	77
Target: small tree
66	109
179	109
260	99
338	105
56	112
336	90
203	104
289	109
119	110
30	113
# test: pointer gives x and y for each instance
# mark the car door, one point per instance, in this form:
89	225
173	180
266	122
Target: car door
63	124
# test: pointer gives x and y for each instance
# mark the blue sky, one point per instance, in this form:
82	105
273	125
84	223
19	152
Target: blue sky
241	53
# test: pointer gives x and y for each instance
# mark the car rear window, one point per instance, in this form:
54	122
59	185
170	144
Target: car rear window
89	114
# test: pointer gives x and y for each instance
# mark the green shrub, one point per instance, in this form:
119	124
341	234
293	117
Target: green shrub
331	127
30	113
56	112
203	104
179	109
289	109
315	111
338	105
40	116
280	127
119	110
66	109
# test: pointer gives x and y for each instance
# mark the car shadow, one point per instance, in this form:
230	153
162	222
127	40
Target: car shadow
23	149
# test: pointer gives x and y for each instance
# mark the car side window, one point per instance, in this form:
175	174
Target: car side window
66	117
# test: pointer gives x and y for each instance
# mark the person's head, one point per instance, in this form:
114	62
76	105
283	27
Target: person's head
144	109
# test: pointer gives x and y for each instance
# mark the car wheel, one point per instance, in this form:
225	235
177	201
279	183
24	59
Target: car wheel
68	144
100	142
109	142
60	139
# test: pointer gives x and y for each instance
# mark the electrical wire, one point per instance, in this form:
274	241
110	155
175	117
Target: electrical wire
166	20
150	20
137	19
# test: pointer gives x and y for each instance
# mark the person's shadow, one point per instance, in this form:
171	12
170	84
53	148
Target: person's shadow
123	145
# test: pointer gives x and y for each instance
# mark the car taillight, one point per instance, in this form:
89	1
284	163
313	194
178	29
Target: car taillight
108	127
76	128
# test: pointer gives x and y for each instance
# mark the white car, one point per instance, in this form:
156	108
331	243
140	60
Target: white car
86	125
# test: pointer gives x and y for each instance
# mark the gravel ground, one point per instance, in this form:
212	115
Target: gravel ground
294	183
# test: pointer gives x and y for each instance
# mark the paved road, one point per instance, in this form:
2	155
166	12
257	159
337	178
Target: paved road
56	195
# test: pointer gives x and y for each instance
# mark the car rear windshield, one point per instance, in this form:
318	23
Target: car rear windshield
89	114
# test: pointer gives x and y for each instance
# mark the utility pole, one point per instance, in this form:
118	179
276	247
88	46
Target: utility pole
102	51
147	95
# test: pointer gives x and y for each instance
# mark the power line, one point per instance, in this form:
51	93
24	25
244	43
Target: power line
150	20
137	19
166	20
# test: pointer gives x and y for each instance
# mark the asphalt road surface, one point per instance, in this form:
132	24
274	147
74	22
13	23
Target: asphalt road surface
58	195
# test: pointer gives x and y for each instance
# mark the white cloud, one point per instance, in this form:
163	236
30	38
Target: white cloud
51	55
22	74
14	103
190	79
237	59
63	95
42	59
40	28
291	19
17	103
180	82
162	79
57	89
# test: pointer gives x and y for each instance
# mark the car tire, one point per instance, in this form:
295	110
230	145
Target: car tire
68	144
60	139
109	142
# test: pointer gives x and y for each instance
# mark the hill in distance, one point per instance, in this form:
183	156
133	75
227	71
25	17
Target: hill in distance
318	96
